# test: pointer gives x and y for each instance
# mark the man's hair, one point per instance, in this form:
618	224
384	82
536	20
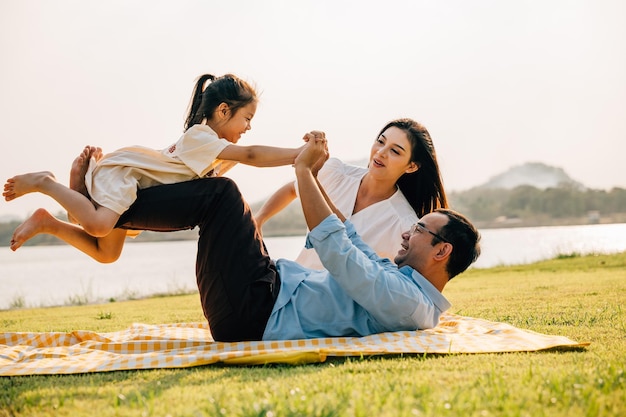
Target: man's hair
465	240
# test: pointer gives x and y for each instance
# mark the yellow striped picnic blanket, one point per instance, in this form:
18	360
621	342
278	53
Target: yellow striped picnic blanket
143	346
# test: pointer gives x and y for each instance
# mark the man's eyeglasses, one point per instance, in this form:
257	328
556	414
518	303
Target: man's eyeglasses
420	227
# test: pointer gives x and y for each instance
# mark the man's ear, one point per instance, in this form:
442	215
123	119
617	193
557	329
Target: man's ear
412	168
444	252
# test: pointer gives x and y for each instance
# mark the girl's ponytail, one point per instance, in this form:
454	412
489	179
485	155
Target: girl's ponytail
195	104
228	89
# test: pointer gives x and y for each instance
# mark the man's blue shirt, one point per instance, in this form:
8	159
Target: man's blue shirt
358	294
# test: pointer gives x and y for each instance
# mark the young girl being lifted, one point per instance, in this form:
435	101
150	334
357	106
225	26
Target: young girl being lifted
218	115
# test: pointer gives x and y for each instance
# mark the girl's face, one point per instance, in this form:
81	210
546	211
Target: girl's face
232	126
390	156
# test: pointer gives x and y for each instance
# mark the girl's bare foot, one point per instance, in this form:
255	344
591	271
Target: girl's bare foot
26	183
80	166
78	171
40	222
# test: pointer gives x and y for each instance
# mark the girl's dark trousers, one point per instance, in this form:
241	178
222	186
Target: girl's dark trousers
237	280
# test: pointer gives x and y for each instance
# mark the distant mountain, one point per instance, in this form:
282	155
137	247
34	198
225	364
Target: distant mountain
536	174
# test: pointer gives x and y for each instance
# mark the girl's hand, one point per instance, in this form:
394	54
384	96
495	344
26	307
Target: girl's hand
314	134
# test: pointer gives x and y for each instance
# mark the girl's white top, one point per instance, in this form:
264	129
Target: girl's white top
113	181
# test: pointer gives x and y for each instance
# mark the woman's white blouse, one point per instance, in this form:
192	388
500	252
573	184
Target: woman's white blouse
380	225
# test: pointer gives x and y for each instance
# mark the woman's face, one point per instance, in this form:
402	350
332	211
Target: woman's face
390	156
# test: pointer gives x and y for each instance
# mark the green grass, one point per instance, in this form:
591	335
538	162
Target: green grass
582	298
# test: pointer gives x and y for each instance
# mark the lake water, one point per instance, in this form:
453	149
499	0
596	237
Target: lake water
55	275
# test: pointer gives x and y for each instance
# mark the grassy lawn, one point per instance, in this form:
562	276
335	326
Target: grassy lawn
579	297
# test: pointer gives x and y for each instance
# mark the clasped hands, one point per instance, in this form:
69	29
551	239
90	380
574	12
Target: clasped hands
315	152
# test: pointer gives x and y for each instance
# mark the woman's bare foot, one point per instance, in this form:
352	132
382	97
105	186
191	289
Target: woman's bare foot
40	222
26	183
80	166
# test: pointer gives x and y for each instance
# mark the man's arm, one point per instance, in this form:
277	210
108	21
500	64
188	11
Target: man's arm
316	205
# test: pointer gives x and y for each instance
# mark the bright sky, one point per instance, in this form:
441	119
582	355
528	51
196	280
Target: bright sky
497	83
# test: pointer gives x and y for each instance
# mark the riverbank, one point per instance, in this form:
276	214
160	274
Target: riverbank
547	221
60	275
552	297
299	228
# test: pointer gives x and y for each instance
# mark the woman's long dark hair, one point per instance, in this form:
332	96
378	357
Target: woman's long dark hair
423	188
229	89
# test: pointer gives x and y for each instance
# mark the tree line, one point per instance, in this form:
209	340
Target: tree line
497	207
529	204
521	206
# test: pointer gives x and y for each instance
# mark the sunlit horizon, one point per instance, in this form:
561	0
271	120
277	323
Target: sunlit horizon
497	84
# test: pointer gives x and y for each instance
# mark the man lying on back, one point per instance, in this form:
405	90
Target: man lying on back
245	295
